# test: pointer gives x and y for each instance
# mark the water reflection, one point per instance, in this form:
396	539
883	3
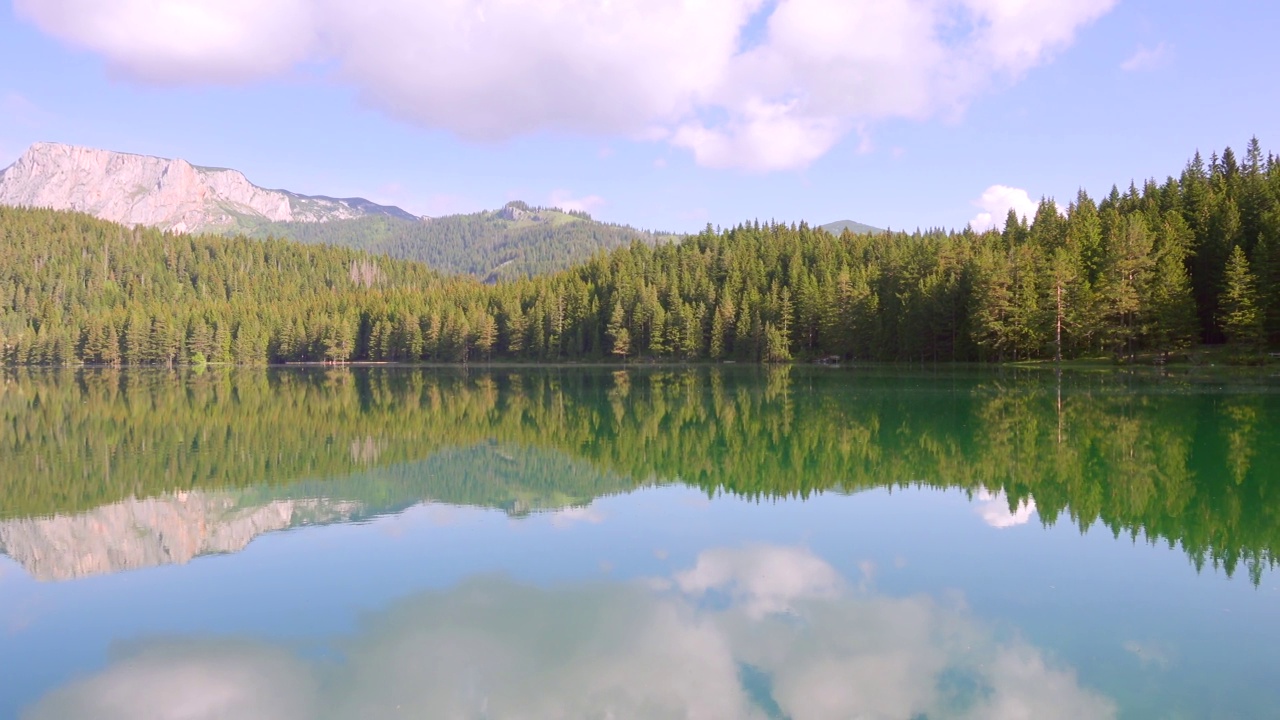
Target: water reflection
747	632
177	527
996	511
1169	460
164	530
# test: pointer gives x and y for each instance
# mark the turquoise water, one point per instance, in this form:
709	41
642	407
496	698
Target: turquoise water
579	542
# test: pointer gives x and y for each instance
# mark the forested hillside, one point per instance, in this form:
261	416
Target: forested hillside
516	241
1153	269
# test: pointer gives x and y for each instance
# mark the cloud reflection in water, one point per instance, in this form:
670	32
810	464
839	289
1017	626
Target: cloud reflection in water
994	509
755	632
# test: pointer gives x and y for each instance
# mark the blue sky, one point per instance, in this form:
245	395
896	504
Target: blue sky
665	114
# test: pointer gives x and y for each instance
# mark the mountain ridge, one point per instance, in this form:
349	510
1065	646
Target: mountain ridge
169	193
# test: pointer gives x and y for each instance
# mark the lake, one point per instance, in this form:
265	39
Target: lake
579	542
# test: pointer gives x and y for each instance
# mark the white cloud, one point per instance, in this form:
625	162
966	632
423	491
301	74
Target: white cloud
994	509
997	201
498	649
566	200
1147	58
765	136
181	42
670	70
763	579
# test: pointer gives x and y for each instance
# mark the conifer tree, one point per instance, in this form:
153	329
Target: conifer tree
164	343
718	329
486	334
619	335
136	336
1241	318
1171	307
776	348
1127	269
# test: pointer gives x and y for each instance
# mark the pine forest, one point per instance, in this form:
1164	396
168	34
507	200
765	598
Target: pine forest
1149	271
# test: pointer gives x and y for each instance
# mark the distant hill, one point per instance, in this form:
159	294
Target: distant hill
515	241
856	228
169	194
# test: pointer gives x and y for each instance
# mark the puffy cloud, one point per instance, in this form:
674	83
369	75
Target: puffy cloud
566	200
497	68
1147	58
184	41
1013	36
997	201
826	67
764	137
994	509
816	648
706	75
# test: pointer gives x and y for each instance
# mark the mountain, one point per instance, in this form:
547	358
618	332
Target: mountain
856	228
515	241
169	194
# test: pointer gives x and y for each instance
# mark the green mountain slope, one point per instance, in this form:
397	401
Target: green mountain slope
515	241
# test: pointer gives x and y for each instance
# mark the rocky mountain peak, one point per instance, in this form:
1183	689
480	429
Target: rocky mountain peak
171	194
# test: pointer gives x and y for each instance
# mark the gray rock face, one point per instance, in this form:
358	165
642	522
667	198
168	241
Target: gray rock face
157	531
170	194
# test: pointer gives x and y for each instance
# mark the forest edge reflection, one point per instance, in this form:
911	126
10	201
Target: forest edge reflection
1173	460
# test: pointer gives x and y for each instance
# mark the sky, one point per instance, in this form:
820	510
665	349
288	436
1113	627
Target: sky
662	114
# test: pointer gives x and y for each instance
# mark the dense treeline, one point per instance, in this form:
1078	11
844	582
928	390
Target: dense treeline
1154	269
1157	458
77	289
516	241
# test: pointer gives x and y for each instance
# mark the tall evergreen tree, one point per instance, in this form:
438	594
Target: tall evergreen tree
1241	317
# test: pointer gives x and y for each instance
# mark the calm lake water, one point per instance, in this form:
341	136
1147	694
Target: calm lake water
654	543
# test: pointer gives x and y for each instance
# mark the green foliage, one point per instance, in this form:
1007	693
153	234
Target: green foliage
1241	317
618	333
